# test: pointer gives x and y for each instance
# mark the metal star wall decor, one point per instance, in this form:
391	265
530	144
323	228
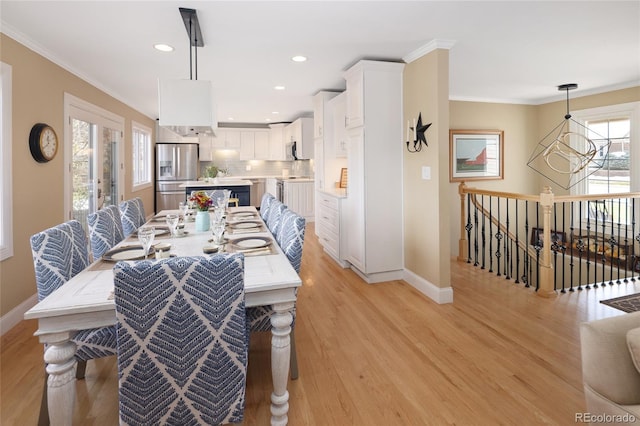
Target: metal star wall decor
419	129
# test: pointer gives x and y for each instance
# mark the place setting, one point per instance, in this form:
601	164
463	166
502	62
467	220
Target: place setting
245	227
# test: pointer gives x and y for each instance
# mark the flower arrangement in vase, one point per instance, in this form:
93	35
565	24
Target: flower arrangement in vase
201	201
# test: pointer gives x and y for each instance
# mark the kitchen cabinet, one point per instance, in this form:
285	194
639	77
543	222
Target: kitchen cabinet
299	197
373	207
205	148
321	116
301	132
355	97
271	186
277	142
261	145
339	128
226	139
254	145
329	224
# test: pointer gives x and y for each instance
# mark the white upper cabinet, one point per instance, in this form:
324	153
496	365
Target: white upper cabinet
261	145
277	142
321	115
339	104
205	148
227	139
247	145
355	96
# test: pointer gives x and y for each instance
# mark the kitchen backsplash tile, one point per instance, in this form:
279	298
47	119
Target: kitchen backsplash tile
261	167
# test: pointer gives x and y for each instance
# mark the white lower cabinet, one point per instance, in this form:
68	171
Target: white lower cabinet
298	196
329	226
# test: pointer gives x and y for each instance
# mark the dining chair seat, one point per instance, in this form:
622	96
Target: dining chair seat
105	230
182	340
60	253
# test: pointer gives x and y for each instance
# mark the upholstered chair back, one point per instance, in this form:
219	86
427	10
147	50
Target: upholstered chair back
274	216
182	340
132	215
266	201
105	230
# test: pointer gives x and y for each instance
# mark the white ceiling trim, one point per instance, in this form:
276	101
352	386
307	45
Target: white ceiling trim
24	40
428	48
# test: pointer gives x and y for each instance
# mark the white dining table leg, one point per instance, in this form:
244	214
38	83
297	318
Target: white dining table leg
280	358
61	368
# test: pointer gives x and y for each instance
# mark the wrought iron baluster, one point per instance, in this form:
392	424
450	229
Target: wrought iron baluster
580	246
498	240
527	257
571	258
588	245
517	245
468	227
484	235
506	243
475	233
490	235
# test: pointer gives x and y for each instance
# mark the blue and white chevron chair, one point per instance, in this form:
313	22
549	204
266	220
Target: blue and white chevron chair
291	241
182	340
59	253
105	230
274	215
132	215
266	201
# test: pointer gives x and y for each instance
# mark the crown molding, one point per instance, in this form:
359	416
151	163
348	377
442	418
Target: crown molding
427	48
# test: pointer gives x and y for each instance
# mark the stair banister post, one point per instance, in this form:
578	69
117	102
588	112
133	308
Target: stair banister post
546	288
462	242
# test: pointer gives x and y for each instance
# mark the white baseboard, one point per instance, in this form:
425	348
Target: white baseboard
437	294
14	316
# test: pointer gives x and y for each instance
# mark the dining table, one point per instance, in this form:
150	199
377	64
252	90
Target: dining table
86	301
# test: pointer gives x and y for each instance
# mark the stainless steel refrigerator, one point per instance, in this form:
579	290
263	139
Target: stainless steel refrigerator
176	163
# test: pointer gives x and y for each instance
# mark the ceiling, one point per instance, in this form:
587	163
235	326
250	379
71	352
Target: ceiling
513	52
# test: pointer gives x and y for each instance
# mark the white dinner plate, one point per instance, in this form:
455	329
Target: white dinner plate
251	242
126	253
245	225
243	214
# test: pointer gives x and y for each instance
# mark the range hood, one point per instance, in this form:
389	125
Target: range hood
186	107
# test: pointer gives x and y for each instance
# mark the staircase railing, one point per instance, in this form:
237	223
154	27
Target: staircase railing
553	243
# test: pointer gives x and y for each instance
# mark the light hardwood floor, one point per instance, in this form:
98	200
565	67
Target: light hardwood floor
382	354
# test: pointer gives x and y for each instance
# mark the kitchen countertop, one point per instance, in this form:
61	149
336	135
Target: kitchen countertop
222	182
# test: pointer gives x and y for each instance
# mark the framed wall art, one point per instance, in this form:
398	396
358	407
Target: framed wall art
476	155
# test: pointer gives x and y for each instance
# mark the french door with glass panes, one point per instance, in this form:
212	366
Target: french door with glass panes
93	152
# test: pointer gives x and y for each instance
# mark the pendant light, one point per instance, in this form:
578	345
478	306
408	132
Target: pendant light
186	107
568	154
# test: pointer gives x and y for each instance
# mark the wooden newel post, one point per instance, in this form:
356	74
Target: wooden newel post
546	288
463	255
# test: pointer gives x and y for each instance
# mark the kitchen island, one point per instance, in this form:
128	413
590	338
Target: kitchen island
240	188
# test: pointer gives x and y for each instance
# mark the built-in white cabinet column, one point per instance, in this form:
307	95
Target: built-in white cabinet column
373	207
339	110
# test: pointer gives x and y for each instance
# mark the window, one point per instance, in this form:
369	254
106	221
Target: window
619	124
141	156
6	219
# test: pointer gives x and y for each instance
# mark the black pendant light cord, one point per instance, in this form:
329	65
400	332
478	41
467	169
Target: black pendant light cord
191	51
567	87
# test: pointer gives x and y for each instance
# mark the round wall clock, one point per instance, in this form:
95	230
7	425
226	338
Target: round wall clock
43	142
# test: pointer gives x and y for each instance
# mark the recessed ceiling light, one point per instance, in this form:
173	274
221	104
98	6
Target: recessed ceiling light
299	58
275	112
279	87
230	118
163	47
267	119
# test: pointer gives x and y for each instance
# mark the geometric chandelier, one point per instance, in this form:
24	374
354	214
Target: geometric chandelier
567	154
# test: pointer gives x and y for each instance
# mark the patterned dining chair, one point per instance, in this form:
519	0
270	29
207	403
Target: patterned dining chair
291	241
132	215
105	230
182	340
274	215
59	254
267	199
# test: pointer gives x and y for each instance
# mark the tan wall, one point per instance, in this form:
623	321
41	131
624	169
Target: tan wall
426	208
520	126
38	189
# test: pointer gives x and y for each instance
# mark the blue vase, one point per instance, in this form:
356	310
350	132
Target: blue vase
202	221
